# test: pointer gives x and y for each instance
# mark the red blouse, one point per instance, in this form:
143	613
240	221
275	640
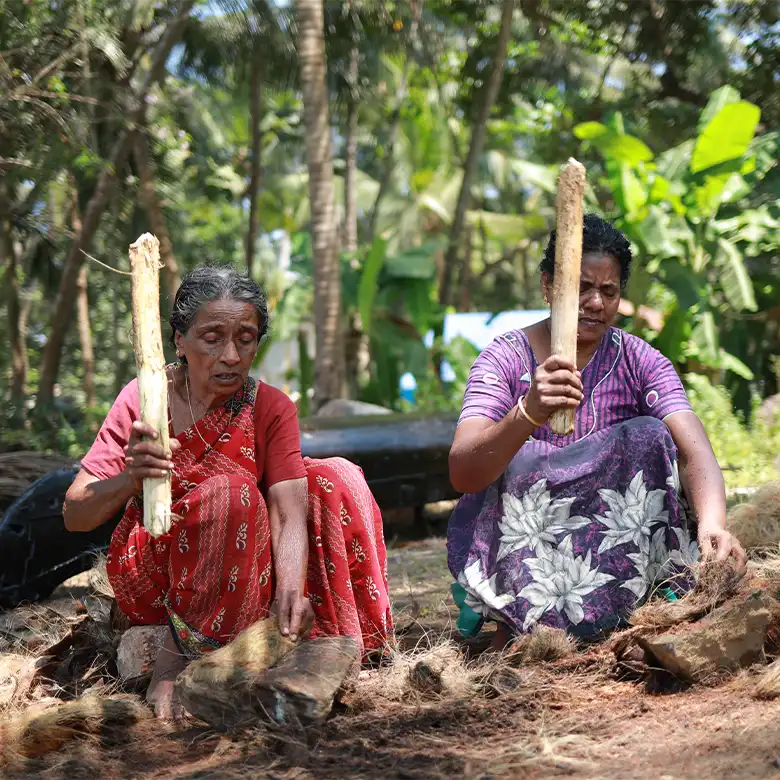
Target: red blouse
277	437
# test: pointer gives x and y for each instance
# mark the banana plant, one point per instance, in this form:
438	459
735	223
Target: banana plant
687	213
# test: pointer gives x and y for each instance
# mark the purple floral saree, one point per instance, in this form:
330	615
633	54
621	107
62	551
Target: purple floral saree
578	530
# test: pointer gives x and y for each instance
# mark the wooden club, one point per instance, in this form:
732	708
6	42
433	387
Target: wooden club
566	285
150	363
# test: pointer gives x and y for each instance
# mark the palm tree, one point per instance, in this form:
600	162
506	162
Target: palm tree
327	283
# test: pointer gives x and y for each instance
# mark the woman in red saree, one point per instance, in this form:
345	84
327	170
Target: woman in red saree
257	527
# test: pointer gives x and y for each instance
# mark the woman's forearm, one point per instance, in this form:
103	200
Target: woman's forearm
482	450
700	474
704	486
90	501
287	512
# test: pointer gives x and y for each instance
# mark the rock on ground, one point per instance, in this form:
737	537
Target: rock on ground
343	407
234	687
137	652
732	637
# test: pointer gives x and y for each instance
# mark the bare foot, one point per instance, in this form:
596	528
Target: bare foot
502	637
160	694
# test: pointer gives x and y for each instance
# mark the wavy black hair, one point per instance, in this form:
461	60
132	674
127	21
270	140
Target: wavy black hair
598	237
215	283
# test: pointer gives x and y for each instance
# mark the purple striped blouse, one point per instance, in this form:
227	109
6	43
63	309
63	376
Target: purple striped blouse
625	378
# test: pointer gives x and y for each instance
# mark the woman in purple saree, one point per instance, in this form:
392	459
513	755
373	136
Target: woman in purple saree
575	531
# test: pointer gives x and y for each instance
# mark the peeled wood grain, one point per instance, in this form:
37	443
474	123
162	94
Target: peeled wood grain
150	362
566	285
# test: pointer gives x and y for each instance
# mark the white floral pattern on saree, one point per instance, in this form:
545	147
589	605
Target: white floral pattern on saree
482	593
534	520
631	515
560	581
524	556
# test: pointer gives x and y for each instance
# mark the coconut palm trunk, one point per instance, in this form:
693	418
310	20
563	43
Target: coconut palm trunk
256	171
327	283
350	244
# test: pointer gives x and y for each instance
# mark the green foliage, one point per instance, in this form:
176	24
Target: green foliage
612	82
746	453
676	208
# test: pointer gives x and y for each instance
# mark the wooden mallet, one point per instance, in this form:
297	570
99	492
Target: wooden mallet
150	363
566	284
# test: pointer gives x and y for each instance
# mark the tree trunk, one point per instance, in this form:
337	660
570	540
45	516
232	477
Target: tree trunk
155	213
82	313
465	274
256	173
479	130
116	340
85	337
66	295
14	310
353	337
327	282
350	243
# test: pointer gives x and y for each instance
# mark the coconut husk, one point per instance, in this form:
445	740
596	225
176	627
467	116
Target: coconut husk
717	581
542	644
757	524
38	734
768	684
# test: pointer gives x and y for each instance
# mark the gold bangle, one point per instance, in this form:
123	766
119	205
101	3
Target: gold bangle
524	412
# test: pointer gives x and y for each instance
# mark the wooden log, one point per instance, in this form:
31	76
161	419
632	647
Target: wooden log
150	363
566	284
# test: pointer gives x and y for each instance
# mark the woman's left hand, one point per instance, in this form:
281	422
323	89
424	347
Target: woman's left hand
715	541
294	612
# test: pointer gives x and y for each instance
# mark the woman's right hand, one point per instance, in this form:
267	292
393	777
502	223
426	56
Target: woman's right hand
556	385
144	458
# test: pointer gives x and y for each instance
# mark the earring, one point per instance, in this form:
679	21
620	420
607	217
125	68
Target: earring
179	353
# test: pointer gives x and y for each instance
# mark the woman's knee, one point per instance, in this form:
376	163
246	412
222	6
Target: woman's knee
651	428
236	492
322	473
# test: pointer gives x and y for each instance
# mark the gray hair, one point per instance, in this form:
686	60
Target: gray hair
215	283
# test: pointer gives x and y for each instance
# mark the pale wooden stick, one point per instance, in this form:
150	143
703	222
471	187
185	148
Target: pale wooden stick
566	285
152	381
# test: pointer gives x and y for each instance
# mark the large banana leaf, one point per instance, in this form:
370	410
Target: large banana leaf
658	239
673	163
367	288
507	228
718	100
673	337
734	278
415	263
543	177
631	193
726	137
687	285
614	145
704	338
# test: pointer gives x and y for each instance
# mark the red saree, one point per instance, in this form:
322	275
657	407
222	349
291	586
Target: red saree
212	575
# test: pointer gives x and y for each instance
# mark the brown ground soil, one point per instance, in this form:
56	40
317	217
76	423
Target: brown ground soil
567	718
